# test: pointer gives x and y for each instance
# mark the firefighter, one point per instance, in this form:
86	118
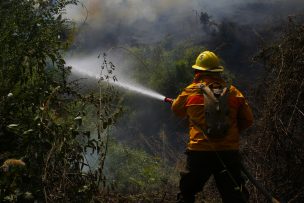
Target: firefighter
212	151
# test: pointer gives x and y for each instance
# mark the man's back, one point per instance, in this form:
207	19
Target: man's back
191	102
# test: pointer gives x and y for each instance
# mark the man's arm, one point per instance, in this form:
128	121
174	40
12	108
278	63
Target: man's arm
178	105
244	114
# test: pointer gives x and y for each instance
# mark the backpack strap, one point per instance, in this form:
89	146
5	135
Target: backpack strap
216	109
208	92
206	89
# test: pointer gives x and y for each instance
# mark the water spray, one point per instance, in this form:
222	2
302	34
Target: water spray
143	91
138	89
80	67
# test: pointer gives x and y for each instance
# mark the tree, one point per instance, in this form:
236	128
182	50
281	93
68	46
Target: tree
39	108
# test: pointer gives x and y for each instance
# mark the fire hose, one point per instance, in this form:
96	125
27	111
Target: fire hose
246	172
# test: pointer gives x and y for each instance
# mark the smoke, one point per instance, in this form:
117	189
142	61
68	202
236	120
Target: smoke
127	12
112	22
90	64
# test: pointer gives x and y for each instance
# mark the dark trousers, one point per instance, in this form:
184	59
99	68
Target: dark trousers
223	165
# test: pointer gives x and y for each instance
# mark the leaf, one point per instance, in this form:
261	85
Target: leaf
78	118
28	131
28	195
12	126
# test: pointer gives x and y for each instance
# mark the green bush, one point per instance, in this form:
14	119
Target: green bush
39	108
133	171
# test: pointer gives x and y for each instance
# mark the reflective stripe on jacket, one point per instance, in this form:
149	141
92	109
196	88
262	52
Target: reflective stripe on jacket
190	103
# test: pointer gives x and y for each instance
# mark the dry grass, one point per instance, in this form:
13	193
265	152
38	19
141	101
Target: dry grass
276	152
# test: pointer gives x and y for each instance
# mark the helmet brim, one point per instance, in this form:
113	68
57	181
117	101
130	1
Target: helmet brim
207	69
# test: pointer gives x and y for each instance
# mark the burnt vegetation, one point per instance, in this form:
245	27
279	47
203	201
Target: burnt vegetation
277	151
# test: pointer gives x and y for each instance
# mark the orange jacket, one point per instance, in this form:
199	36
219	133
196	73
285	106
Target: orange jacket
190	103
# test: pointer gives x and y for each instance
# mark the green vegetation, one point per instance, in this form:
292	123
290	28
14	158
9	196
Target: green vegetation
133	170
166	69
40	111
137	176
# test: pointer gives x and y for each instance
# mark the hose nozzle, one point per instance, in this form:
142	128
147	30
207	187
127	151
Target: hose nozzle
168	100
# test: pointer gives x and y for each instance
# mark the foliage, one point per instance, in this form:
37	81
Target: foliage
137	175
167	70
40	111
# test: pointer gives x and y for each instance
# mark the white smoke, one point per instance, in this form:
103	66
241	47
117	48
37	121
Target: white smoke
149	21
131	11
126	11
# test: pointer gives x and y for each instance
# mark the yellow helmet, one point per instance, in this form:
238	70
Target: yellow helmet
208	61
